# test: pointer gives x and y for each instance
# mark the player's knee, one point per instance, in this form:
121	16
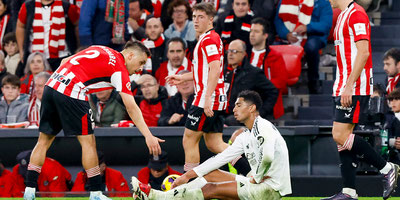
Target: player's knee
209	190
338	137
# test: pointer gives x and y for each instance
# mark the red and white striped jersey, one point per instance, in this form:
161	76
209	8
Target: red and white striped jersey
91	70
209	48
352	25
257	58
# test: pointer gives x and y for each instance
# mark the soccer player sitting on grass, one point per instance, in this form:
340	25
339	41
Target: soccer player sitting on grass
265	149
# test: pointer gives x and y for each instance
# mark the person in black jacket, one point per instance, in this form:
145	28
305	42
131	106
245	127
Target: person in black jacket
175	109
239	75
392	125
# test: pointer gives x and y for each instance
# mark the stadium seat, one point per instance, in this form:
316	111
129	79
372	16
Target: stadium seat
292	55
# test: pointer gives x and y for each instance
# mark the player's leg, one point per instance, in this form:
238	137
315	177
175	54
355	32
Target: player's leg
190	144
215	143
226	190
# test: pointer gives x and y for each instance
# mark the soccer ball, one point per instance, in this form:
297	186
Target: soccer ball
167	182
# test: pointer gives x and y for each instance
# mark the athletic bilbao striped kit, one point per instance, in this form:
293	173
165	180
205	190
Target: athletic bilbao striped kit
65	102
352	26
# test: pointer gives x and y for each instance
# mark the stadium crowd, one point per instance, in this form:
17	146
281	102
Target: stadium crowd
36	35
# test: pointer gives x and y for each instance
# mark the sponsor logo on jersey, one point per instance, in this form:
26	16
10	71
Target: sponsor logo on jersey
61	78
344	108
260	140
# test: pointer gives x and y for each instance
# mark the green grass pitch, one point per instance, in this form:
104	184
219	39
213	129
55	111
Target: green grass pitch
128	198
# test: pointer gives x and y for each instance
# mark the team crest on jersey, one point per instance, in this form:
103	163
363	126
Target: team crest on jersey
260	140
61	78
128	85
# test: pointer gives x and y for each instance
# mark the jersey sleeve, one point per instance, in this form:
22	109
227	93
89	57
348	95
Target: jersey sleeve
359	24
121	82
210	48
22	14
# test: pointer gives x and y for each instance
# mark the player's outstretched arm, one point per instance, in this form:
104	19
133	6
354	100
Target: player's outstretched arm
177	79
184	178
137	117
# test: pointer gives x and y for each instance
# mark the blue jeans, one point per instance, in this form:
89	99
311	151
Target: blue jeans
311	48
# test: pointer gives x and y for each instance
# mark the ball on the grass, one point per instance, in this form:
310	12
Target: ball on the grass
167	182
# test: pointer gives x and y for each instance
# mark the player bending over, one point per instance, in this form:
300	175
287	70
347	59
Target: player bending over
265	149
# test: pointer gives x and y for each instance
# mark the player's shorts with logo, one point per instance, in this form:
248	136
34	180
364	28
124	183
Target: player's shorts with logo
198	121
59	111
249	191
356	113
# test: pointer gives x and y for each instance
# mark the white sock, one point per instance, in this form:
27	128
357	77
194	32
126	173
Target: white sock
95	193
199	182
386	169
351	192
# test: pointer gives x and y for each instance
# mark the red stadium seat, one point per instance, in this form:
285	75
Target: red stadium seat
292	55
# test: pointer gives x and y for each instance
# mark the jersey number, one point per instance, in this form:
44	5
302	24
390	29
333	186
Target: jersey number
90	54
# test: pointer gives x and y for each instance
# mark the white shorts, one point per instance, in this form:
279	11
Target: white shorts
249	191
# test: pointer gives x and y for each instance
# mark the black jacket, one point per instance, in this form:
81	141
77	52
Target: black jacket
248	77
174	105
3	73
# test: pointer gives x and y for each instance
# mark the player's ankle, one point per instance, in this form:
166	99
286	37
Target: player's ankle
350	191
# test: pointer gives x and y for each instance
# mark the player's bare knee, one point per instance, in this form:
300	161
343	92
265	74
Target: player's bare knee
209	190
338	136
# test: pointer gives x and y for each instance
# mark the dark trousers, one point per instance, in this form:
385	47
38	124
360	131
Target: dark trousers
311	48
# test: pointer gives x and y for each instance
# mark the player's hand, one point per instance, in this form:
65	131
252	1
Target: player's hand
175	118
291	38
174	79
153	145
301	30
133	23
252	181
346	97
179	181
208	107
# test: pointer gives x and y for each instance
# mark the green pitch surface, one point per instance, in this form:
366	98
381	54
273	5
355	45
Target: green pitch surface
286	198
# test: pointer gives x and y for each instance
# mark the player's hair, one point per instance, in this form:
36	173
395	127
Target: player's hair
137	46
9	37
206	7
251	97
177	39
394	95
261	21
44	75
30	58
393	53
177	3
11	80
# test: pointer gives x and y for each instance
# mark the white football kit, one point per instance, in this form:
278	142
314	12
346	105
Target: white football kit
267	153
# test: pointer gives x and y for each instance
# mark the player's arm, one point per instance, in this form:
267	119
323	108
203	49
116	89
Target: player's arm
359	63
213	76
137	117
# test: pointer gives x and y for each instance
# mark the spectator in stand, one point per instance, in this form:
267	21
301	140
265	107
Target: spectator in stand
175	109
35	64
53	178
5	181
176	62
5	24
392	125
261	8
391	65
106	109
156	171
235	24
13	105
138	17
112	180
3	70
151	102
269	60
10	46
34	105
240	75
99	25
47	26
307	25
156	42
182	26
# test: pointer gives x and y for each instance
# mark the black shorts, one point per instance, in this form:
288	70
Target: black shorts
59	111
198	121
356	113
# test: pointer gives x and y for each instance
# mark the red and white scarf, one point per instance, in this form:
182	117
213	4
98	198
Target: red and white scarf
34	111
392	82
150	44
3	26
57	29
296	12
143	17
171	89
157	5
257	58
214	2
